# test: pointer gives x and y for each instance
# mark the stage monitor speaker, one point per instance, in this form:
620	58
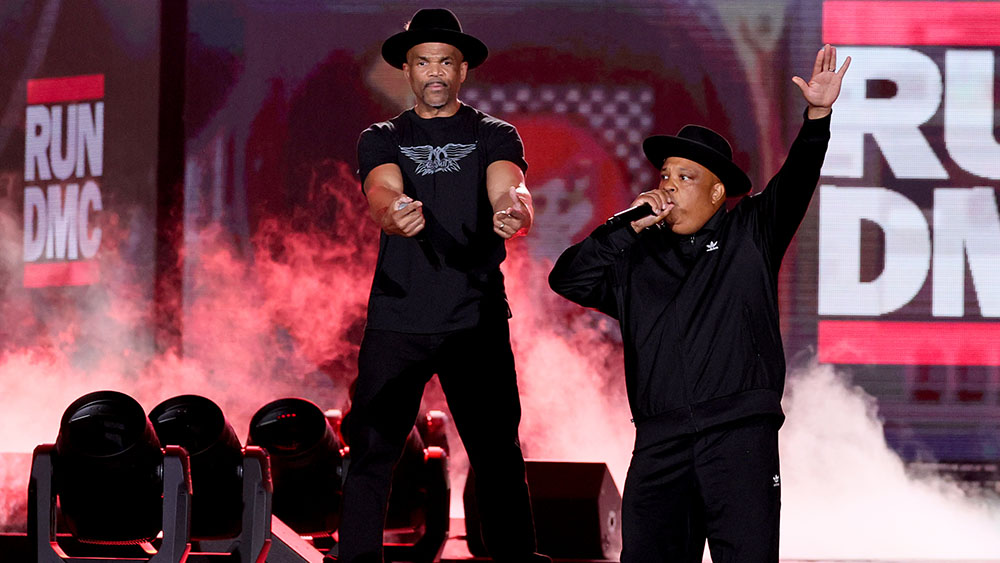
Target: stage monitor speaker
577	510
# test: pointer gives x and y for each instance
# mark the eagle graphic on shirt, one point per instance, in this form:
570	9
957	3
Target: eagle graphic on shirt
431	160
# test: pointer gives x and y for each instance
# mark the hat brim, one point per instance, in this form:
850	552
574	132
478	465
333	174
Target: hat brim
395	48
661	147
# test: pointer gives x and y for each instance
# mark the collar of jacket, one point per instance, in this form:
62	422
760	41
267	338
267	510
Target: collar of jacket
714	222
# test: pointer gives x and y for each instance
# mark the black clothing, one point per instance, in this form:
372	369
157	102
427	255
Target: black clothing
704	365
485	407
438	306
723	483
448	276
699	313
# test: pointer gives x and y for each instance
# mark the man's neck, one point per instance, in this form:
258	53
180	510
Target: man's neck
430	112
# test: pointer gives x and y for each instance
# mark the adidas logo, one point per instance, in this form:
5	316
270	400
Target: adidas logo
714	245
777	481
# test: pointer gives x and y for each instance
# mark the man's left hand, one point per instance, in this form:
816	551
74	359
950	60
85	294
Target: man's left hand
510	221
824	86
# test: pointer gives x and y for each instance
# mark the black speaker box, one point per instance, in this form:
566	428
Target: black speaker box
577	510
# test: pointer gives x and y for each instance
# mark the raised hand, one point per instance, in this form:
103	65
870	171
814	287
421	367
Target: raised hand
823	87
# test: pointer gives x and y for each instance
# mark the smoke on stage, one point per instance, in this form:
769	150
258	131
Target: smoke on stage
285	319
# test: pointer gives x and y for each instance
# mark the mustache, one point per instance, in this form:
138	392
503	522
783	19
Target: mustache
433	82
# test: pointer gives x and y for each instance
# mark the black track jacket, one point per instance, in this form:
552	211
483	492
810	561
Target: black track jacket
699	313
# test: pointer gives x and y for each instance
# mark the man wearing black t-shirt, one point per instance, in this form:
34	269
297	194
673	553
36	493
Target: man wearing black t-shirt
445	183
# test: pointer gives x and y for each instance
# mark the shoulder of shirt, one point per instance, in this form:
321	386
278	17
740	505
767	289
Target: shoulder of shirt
744	204
746	209
488	120
386	126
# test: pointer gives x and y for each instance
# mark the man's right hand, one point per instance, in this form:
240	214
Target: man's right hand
404	217
824	86
657	199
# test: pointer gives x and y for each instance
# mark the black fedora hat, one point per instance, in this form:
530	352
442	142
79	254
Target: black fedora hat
433	25
704	146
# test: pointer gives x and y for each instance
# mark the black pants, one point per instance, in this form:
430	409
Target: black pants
722	484
476	371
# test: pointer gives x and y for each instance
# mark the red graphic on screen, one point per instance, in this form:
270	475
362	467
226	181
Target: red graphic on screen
63	164
68	89
850	22
951	335
576	183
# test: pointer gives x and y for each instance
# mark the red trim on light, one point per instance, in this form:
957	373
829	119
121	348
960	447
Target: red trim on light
909	343
61	274
67	89
851	22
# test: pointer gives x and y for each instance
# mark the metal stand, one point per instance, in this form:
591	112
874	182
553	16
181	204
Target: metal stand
254	541
176	511
437	515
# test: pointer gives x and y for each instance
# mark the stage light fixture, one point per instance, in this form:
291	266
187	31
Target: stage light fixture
418	516
306	464
198	425
108	470
411	493
112	483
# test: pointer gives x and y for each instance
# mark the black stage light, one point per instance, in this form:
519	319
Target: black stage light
408	497
411	494
197	424
113	485
108	470
231	504
418	517
306	464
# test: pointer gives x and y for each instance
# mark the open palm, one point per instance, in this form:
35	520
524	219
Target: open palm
824	86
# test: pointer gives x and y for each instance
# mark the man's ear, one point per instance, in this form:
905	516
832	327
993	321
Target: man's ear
718	193
463	70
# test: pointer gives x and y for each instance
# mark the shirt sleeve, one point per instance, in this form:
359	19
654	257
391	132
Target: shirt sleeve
502	142
777	211
376	147
585	272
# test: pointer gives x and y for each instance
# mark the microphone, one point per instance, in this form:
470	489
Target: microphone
631	214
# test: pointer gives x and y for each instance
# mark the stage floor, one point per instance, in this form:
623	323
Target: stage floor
14	548
456	550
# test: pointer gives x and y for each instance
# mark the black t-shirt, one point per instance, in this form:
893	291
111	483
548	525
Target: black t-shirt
448	276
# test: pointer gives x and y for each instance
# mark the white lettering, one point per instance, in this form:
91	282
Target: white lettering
61	239
907	251
34	223
968	112
57	221
90	240
90	139
892	122
965	223
36	143
63	165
